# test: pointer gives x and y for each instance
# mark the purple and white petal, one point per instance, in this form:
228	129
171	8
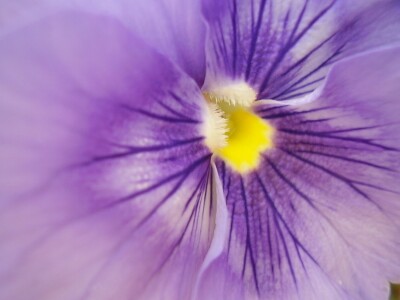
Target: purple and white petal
284	49
174	28
320	217
106	187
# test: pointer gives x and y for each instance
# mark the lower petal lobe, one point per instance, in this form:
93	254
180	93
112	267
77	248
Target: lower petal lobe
320	218
105	182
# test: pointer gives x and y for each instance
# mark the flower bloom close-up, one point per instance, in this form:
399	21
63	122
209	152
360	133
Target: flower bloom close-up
199	149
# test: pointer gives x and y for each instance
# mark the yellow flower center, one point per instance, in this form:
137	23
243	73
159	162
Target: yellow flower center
234	132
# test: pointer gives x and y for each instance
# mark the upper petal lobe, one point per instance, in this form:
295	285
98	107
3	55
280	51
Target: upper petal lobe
174	28
284	49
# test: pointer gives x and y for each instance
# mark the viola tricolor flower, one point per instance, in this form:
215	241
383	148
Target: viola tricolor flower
199	149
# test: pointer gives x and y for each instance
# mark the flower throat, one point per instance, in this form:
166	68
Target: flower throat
233	131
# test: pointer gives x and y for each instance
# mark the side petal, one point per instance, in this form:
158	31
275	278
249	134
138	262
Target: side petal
284	49
105	185
320	218
174	28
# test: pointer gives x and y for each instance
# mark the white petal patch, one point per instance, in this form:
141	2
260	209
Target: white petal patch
239	93
215	126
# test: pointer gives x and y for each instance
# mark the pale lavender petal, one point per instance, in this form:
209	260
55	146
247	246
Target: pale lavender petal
105	183
320	218
13	13
175	28
285	48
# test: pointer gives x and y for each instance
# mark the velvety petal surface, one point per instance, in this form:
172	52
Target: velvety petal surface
174	28
284	49
320	217
105	186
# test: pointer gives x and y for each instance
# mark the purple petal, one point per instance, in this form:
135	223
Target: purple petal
13	13
174	28
320	218
105	183
285	48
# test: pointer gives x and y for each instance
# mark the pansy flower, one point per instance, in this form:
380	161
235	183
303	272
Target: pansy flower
214	149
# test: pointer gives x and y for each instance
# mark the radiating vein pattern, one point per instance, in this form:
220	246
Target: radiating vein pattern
161	174
141	181
282	48
326	161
